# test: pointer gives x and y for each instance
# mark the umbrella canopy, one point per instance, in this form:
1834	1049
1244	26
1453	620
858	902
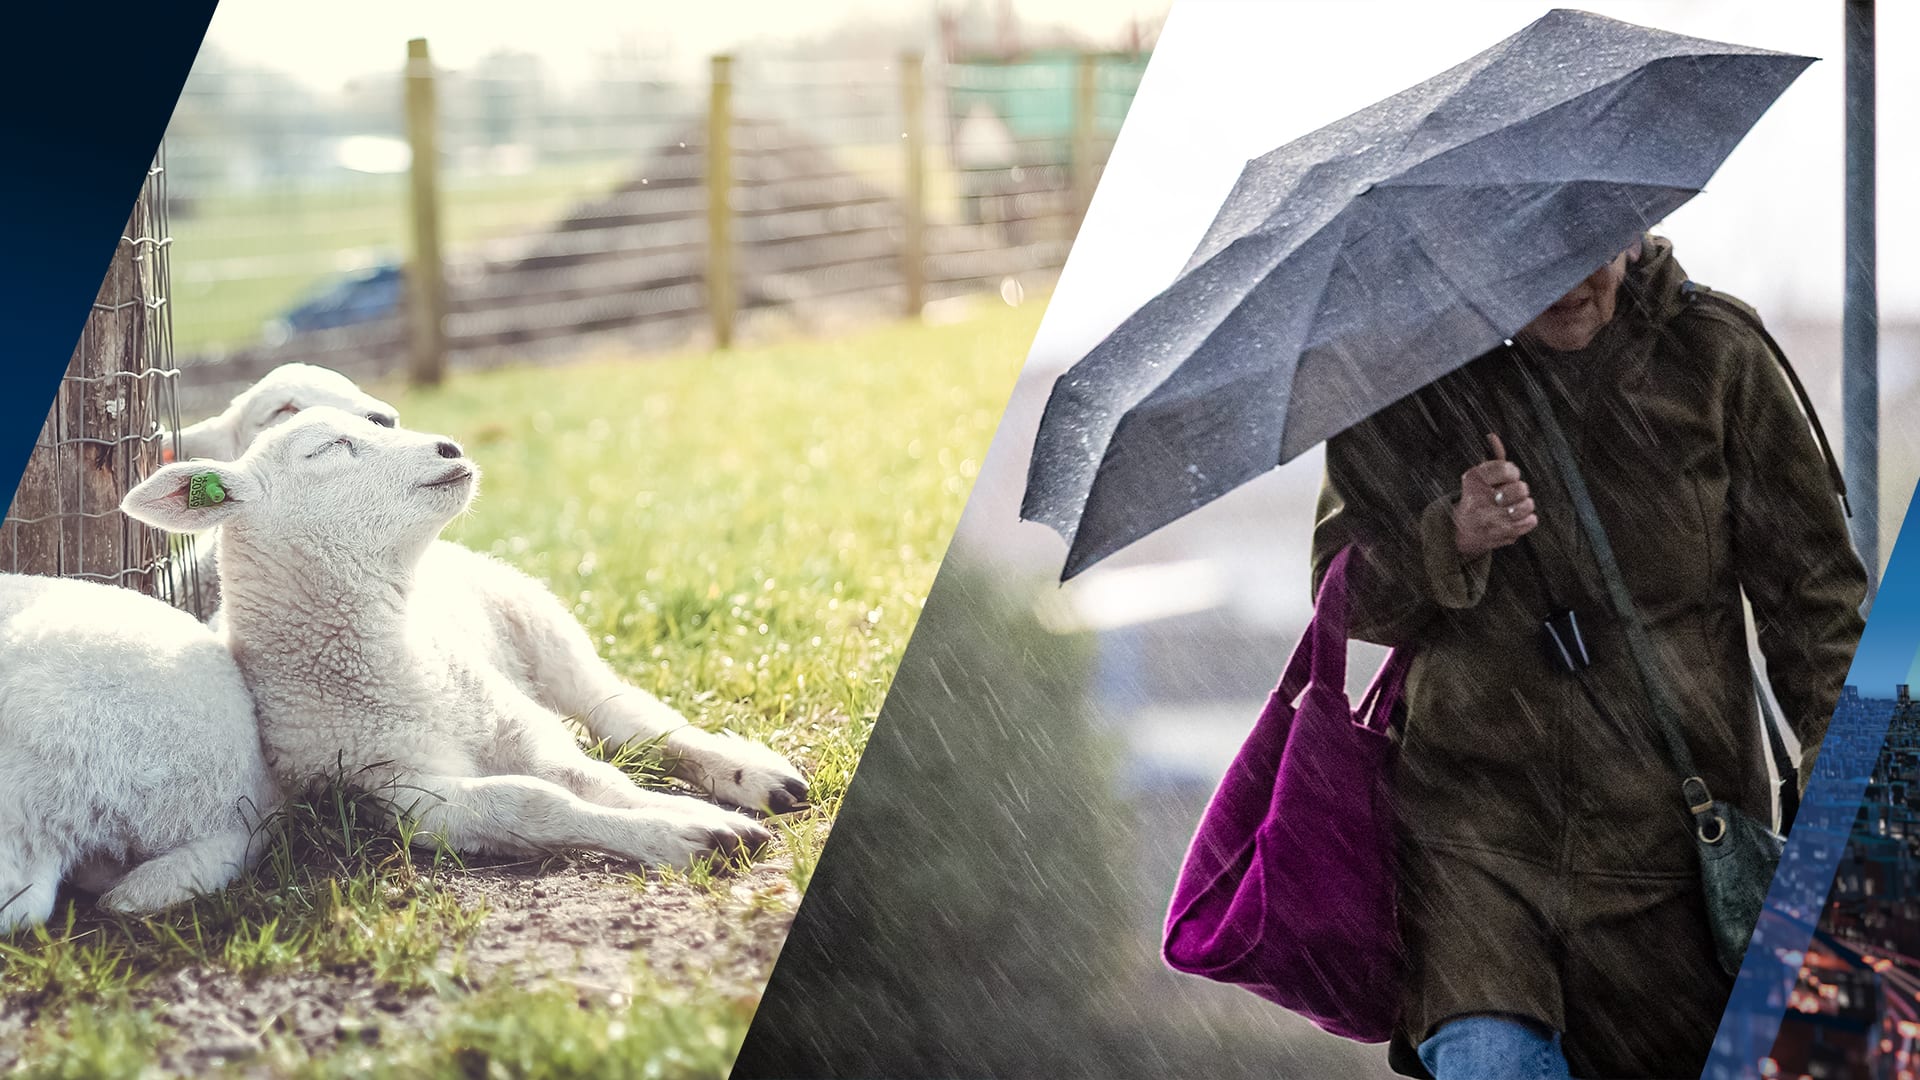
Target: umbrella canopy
1356	264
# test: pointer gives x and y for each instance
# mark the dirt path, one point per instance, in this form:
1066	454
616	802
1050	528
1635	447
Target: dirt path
581	921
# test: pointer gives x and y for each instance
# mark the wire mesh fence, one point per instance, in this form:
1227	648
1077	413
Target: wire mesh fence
580	212
111	418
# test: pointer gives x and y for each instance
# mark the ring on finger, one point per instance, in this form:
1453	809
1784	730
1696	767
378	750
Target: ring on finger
1510	510
1499	498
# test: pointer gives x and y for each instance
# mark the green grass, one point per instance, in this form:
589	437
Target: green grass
749	535
338	888
662	1031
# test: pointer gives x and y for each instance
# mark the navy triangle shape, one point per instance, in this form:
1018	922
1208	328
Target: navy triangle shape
89	89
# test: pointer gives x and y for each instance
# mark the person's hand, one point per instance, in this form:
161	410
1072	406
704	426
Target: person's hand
1495	507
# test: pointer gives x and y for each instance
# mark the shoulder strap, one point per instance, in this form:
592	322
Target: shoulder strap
1639	644
1693	291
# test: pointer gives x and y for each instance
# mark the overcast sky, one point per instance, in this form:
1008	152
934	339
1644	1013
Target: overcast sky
1232	79
326	44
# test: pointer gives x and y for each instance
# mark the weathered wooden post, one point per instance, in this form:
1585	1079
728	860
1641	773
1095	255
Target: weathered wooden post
105	425
1086	130
426	273
913	246
720	297
102	434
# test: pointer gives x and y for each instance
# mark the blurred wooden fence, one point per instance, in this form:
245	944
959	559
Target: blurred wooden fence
747	214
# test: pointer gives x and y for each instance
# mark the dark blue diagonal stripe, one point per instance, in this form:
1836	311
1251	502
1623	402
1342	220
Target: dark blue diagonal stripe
1798	897
89	88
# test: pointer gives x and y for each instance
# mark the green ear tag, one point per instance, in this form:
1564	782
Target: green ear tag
205	490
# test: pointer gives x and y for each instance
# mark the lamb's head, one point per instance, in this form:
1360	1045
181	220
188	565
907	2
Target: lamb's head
326	484
279	395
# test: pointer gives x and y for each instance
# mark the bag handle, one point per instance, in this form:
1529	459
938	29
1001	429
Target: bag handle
1389	684
1322	651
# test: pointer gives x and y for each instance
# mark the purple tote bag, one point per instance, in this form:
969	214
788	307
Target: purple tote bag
1288	887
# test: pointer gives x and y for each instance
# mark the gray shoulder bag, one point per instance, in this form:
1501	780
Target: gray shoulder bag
1738	855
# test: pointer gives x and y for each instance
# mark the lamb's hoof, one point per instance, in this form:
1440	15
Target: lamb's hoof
766	788
143	897
747	774
739	840
789	797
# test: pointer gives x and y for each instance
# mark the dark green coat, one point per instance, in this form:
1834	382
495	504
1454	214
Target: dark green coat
1548	871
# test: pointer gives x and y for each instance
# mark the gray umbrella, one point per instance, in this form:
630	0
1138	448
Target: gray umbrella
1356	264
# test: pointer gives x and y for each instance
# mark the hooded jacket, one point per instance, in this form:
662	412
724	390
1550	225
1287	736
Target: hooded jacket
1526	815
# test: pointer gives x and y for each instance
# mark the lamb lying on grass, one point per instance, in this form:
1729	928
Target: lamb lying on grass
547	645
438	682
127	738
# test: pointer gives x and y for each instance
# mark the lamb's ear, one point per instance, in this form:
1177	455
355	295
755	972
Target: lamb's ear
189	496
212	438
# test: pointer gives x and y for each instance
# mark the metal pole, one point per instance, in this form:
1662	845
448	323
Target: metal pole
1860	317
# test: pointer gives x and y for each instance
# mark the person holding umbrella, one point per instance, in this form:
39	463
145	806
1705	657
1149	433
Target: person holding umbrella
1551	913
1557	465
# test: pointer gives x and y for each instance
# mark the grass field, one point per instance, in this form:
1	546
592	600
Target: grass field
748	535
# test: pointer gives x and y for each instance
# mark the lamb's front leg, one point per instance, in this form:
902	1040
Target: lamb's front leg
545	748
572	679
524	815
199	866
733	770
29	879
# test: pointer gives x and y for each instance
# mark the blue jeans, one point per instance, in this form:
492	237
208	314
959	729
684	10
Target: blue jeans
1486	1047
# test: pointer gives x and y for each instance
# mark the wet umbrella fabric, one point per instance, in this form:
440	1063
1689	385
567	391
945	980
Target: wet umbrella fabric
1360	262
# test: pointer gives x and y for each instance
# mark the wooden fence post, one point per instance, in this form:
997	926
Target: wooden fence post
426	276
913	247
101	435
1086	128
720	298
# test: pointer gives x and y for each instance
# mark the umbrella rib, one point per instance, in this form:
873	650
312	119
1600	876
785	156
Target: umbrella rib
1499	50
1615	88
1420	244
1439	184
1343	220
1494	55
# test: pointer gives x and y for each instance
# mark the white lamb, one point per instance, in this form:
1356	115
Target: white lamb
440	682
278	396
542	635
127	737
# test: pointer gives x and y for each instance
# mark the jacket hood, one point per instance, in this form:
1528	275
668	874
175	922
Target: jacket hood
1653	283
